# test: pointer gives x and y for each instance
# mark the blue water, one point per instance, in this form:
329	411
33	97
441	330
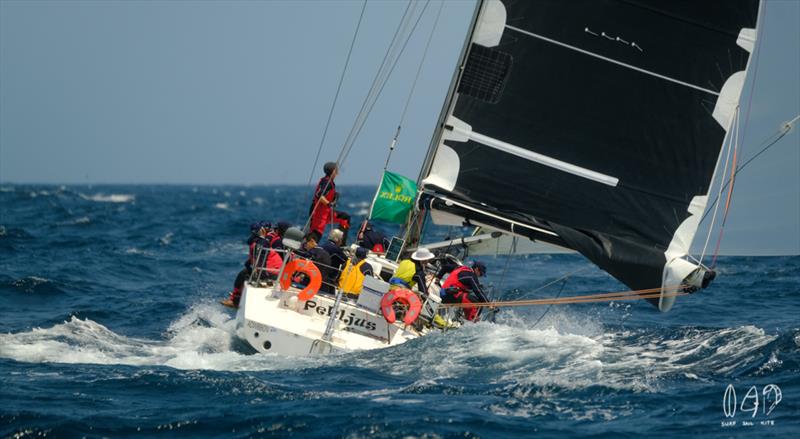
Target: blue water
109	326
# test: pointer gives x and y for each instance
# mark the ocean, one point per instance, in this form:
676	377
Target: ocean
110	327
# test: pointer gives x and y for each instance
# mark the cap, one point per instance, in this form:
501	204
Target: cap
422	254
282	226
361	253
481	266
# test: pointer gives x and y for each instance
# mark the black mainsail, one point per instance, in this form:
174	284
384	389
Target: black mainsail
595	125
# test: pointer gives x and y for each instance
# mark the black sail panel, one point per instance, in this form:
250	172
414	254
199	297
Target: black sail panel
627	90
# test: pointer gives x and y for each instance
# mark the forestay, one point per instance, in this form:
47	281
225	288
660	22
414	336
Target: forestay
593	125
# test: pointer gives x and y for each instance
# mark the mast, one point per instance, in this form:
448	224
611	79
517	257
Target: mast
413	236
449	100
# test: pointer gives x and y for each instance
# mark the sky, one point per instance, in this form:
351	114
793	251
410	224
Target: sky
206	92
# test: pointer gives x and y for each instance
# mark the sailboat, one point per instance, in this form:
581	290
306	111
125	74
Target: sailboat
596	127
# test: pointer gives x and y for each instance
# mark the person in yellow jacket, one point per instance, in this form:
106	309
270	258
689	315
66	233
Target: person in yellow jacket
411	272
355	270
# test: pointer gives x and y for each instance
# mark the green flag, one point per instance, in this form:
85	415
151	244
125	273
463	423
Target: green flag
394	199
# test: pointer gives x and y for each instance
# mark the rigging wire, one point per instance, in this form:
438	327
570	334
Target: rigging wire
732	180
375	100
728	147
394	141
756	59
511	249
414	85
770	142
403	24
335	99
550	306
379	76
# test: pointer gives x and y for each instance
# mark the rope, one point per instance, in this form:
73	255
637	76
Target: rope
651	293
731	180
728	147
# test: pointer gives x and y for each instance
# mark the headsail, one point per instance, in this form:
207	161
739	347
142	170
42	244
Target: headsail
594	125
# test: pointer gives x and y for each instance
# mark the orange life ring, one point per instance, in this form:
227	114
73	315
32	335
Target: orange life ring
403	296
309	269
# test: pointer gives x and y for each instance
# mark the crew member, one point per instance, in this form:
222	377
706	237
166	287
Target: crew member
355	271
321	211
257	239
333	247
463	286
316	254
372	239
273	241
411	272
257	233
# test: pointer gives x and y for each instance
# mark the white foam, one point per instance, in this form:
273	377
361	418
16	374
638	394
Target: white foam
111	198
166	239
202	338
137	251
223	206
521	359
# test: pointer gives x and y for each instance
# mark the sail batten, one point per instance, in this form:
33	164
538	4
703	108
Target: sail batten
538	158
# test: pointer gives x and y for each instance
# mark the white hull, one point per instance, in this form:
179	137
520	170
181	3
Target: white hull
276	321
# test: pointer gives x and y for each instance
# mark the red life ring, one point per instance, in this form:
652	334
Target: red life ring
309	269
403	296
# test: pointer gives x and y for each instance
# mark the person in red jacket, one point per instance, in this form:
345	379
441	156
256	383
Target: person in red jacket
321	211
263	254
463	286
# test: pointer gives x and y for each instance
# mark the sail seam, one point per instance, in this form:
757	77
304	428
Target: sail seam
611	60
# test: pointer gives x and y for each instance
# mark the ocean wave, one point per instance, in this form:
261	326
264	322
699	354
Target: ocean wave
202	338
13	233
86	341
110	198
166	239
520	361
137	251
32	285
